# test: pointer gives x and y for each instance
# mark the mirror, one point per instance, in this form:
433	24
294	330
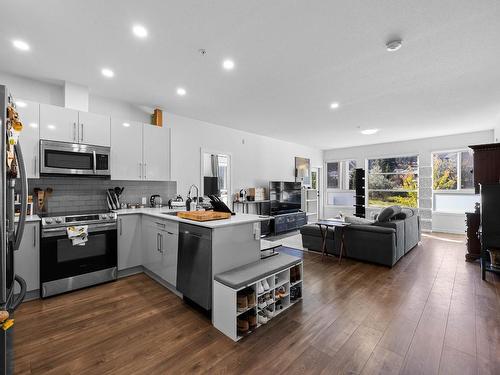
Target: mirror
216	175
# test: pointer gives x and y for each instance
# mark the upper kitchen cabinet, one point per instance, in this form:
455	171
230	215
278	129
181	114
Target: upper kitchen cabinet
58	123
93	129
29	113
69	125
156	152
126	150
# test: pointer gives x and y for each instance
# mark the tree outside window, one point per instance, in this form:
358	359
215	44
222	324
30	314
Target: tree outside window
452	171
393	181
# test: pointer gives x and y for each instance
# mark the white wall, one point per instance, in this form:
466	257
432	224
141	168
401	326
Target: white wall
255	159
423	148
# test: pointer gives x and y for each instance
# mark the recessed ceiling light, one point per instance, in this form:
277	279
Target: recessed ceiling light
33	125
228	64
51	127
20	104
21	45
334	105
126	124
394	45
369	131
181	91
140	31
107	73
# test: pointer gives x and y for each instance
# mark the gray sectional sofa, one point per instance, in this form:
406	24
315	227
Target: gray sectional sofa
393	234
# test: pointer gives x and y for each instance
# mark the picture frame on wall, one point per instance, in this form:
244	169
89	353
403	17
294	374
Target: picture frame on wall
303	170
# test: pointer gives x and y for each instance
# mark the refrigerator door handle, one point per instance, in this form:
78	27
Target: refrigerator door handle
20	297
24	196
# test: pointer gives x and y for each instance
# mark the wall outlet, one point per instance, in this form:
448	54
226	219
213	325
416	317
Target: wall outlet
143	200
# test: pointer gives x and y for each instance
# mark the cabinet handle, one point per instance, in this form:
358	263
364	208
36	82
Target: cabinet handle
121	226
145	171
157	241
161	243
160	224
34	236
140	170
74	132
81	137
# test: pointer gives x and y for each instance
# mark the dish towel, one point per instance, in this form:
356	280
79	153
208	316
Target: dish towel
78	234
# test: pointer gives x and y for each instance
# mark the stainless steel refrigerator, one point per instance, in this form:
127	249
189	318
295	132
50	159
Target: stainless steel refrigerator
11	233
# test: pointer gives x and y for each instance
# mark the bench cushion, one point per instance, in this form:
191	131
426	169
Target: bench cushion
241	276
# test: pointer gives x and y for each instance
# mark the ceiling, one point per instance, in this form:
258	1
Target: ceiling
293	58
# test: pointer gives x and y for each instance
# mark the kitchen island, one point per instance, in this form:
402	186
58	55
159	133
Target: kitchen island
182	254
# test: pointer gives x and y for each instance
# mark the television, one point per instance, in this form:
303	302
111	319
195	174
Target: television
285	197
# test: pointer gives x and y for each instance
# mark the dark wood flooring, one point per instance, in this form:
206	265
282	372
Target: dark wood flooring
430	314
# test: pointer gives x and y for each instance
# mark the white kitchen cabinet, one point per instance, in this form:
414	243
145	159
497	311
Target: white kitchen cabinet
27	258
29	138
168	247
126	150
129	241
94	129
151	247
156	153
58	123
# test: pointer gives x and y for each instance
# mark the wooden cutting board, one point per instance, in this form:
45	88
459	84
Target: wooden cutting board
203	215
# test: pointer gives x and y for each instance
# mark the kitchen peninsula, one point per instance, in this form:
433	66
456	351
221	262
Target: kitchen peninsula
184	255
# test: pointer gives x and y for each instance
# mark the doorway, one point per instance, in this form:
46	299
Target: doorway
216	175
316	184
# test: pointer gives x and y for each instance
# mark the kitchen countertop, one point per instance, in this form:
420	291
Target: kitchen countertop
29	218
159	213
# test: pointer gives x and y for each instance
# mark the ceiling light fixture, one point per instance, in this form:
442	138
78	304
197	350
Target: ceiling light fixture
394	45
181	91
108	73
51	127
228	64
126	124
21	45
369	131
20	104
33	125
140	31
334	105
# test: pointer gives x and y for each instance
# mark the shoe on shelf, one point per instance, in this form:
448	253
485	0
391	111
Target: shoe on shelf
281	291
242	302
269	301
262	318
252	321
265	284
260	288
243	326
269	313
251	298
292	275
262	302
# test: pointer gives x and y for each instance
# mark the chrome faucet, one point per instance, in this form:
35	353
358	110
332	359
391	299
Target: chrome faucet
197	195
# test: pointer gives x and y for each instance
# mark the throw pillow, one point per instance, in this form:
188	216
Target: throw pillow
387	213
358	220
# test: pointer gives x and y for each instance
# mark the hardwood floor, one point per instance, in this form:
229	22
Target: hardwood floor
430	314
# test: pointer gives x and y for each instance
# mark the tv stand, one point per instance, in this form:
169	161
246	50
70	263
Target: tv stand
289	221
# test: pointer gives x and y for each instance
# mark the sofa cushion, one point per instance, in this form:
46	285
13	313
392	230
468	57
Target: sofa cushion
358	220
387	213
404	214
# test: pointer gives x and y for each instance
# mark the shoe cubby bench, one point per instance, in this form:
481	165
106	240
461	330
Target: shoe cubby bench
246	297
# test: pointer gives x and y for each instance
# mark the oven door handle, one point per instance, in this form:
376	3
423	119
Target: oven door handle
61	231
95	159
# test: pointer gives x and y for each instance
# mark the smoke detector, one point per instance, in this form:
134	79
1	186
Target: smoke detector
394	45
202	51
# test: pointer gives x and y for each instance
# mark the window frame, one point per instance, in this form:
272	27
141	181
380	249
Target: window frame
392	156
459	189
343	180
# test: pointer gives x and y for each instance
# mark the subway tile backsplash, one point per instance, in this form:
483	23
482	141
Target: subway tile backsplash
87	194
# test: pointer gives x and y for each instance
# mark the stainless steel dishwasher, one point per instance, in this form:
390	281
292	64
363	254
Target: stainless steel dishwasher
194	264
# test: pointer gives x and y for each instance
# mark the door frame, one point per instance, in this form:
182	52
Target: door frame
230	156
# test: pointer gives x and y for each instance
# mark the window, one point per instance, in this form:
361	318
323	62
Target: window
393	181
340	182
452	171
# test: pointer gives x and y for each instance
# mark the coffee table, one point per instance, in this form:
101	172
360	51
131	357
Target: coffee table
323	228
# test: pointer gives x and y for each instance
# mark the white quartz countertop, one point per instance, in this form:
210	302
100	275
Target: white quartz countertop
160	213
29	218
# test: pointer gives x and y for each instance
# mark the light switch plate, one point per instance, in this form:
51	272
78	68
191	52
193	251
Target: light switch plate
143	201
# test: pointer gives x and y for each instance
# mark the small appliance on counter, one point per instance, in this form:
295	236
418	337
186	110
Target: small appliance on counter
155	201
177	202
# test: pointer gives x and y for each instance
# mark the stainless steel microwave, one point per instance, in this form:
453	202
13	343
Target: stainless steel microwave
65	158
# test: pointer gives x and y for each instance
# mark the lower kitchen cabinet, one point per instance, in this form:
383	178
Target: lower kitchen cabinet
129	241
26	259
160	239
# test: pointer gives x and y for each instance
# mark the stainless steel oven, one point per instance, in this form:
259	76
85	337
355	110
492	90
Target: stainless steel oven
74	158
64	266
